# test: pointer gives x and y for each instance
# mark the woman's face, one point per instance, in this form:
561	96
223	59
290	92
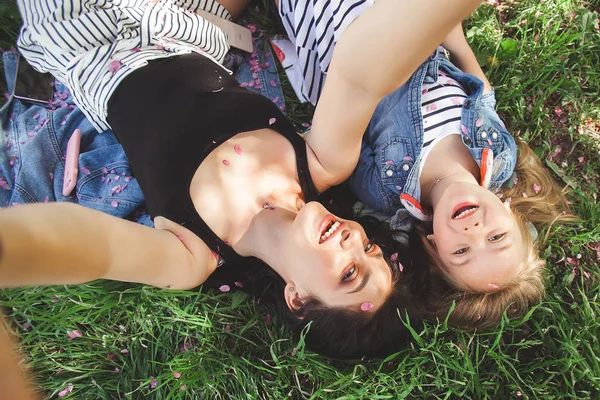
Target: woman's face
477	237
322	256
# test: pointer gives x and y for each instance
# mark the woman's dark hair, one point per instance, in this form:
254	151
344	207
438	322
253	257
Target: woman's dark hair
337	332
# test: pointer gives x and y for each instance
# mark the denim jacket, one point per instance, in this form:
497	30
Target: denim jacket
386	178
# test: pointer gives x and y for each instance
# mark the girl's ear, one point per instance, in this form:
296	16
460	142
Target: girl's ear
292	297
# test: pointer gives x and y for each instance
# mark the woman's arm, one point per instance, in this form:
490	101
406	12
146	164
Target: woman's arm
374	56
13	382
65	243
462	55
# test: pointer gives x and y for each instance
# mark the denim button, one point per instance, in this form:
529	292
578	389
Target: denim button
389	172
467	140
405	167
494	135
484	134
467	104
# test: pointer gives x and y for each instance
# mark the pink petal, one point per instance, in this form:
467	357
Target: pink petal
136	50
424	91
238	149
464	130
239	284
31	134
4	184
399	187
177	375
183	388
114	66
516	180
366	306
272	121
227	327
580	159
224	288
26	325
431	107
36	116
479	122
490	142
114	204
536	188
524	195
394	257
104	170
74	334
124	351
226	163
116	178
65	391
400	267
389	162
85	171
273	83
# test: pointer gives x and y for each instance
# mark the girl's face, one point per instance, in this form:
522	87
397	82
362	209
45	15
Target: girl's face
322	256
477	237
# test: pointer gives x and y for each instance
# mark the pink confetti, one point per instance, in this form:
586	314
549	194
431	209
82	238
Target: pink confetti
65	391
479	122
226	163
74	334
394	257
581	159
85	171
224	288
239	284
183	388
389	162
4	184
493	286
272	121
366	306
536	188
176	374
114	204
114	66
238	150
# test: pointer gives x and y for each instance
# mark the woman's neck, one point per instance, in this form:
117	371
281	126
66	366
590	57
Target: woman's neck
448	162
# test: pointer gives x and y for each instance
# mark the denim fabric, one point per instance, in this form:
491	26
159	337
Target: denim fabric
33	142
386	178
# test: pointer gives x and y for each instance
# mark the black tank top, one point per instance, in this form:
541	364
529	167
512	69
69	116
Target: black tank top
170	114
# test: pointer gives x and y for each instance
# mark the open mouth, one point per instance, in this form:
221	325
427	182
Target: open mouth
329	228
464	210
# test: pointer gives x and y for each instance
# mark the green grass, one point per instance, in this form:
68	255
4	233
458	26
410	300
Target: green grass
543	59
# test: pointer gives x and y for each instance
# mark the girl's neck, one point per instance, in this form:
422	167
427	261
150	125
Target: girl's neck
448	162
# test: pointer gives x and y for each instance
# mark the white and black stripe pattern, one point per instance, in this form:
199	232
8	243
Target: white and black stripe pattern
91	45
314	26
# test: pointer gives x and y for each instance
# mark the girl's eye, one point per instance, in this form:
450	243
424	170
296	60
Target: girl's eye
369	247
461	251
348	275
497	237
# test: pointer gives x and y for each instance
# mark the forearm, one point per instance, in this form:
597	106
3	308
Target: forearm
386	44
463	57
13	383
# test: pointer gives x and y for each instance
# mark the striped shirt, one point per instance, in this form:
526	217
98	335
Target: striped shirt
441	107
314	26
91	45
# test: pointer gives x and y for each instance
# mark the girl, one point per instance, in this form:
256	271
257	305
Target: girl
224	174
435	150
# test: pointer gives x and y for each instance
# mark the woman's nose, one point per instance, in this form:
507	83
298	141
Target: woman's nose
349	238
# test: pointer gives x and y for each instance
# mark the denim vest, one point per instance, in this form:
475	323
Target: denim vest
386	178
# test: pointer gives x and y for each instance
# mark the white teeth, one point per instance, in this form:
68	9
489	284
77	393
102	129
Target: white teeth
466	212
330	231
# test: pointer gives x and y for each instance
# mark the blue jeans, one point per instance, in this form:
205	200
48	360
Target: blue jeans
33	142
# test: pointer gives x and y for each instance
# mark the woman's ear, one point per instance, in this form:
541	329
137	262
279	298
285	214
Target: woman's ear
292	297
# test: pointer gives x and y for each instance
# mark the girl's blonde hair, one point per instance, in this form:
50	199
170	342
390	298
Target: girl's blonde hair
535	198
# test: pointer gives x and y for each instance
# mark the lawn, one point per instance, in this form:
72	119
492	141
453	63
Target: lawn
130	341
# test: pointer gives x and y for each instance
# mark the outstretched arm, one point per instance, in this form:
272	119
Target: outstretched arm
65	243
374	56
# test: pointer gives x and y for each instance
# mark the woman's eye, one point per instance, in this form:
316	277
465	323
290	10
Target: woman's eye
461	251
497	237
348	275
369	247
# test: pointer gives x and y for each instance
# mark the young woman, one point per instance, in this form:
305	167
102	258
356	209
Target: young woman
223	173
436	150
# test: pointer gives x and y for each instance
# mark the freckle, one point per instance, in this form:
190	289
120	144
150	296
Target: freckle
238	149
225	162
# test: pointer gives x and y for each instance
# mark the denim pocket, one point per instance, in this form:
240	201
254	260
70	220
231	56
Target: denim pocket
396	160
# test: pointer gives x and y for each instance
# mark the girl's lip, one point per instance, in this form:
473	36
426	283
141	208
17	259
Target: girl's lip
461	205
328	219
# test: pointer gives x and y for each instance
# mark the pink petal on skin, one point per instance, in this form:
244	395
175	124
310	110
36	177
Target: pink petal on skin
74	334
114	66
399	187
36	116
536	188
464	130
26	325
114	204
31	134
116	178
366	306
224	288
85	171
394	257
176	375
493	286
431	107
244	84
239	284
65	391
272	121
581	159
226	163
153	383
4	184
479	122
238	150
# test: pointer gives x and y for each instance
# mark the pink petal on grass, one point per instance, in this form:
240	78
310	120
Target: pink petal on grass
74	334
65	391
366	306
85	171
124	351
239	284
224	288
4	184
272	121
536	188
226	163
238	149
176	374
114	204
